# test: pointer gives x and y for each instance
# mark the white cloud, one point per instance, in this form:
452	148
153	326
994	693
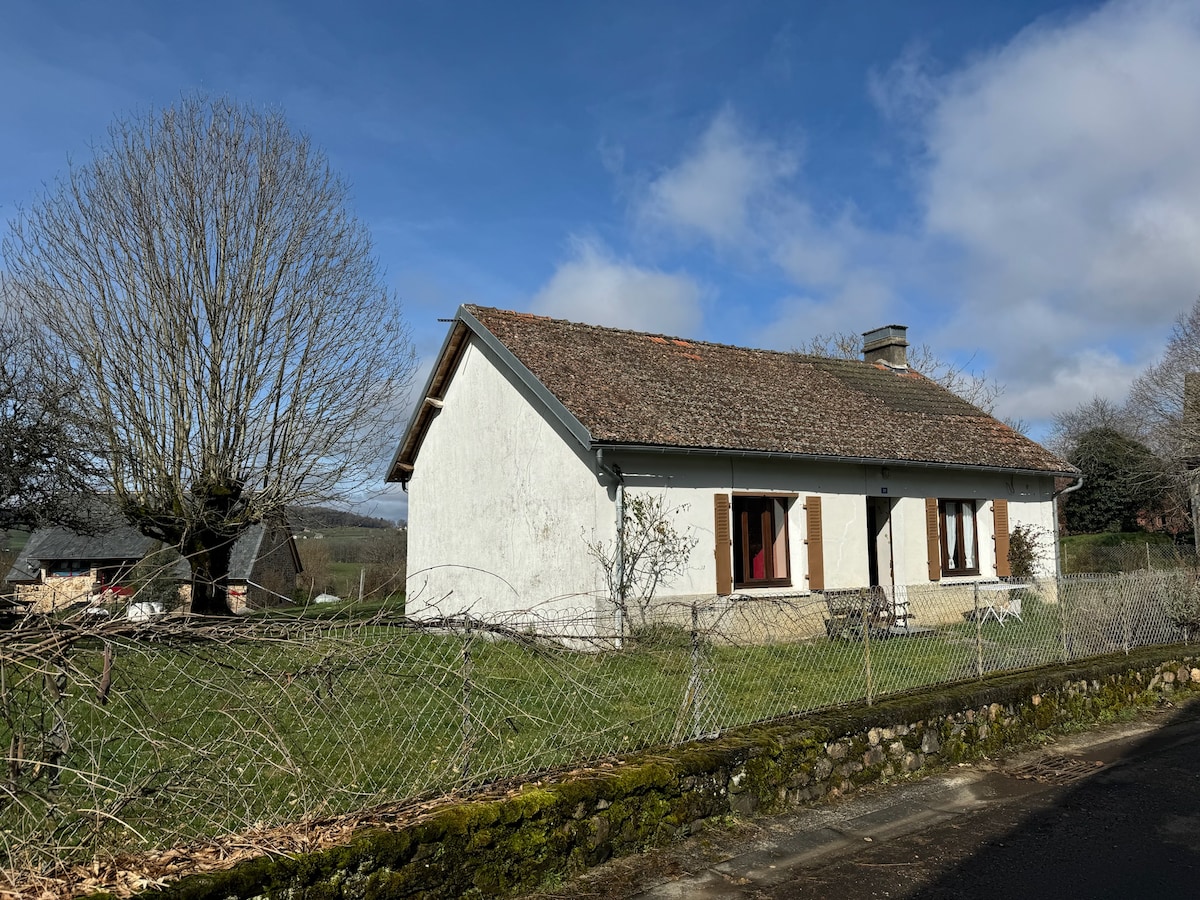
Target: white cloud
595	287
1065	169
1057	199
714	189
1073	381
860	302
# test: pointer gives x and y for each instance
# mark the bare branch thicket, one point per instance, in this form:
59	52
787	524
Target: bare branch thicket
47	464
977	388
221	310
386	562
649	552
1069	426
1156	399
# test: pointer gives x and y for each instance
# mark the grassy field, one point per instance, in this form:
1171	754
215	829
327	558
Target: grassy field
310	719
334	558
1117	552
14	540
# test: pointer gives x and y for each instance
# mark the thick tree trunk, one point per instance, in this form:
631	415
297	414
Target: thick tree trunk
209	555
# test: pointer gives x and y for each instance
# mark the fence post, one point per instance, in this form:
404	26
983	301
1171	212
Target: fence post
1126	616
465	768
1062	621
696	675
865	598
978	636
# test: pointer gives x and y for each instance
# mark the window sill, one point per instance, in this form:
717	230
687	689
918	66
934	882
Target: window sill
755	593
967	579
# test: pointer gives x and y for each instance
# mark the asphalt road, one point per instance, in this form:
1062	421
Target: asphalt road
1114	813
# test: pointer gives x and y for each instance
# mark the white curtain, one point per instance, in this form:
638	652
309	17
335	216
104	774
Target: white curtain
951	535
968	516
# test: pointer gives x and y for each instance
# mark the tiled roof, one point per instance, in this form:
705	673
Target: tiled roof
627	387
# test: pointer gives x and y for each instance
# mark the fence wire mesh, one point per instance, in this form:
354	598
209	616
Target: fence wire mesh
1090	554
123	738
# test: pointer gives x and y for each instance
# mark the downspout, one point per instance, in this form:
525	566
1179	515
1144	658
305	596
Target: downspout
1069	489
618	481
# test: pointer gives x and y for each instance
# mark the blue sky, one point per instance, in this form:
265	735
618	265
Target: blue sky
1018	182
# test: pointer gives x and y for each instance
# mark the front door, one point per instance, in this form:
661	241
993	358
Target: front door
879	541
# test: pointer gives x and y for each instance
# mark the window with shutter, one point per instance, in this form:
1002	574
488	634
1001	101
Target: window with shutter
816	547
952	537
1000	518
761	555
723	545
932	539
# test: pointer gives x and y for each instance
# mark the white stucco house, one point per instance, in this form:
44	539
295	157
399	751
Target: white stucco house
798	474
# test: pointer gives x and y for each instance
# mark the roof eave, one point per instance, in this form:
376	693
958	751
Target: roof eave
816	457
404	462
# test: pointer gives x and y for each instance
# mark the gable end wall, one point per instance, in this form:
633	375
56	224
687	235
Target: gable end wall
501	504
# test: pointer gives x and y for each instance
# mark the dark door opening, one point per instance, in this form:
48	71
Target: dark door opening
879	541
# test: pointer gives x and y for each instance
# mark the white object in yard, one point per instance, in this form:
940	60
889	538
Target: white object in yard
327	598
144	612
97	611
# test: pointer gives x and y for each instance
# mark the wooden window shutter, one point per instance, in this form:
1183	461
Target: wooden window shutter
932	542
723	549
1000	514
816	547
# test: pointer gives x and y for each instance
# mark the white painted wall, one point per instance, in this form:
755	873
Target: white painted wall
500	505
692	481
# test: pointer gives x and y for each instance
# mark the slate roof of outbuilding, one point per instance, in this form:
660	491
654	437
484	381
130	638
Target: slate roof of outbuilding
115	541
629	387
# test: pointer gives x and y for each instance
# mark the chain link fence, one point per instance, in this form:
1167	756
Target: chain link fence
1091	556
123	738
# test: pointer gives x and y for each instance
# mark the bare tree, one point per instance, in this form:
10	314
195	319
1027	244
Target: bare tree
1156	399
47	466
1165	401
1070	426
649	551
976	388
225	319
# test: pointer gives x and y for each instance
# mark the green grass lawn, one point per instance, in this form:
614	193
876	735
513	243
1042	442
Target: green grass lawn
1116	552
201	737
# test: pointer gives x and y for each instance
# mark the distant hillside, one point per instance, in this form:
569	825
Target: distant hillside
325	517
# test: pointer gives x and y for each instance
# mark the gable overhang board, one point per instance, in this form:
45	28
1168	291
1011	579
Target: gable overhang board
465	326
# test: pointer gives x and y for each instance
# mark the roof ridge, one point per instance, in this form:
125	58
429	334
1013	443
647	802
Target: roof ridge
629	387
698	342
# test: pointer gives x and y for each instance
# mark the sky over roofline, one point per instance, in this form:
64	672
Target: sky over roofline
1013	181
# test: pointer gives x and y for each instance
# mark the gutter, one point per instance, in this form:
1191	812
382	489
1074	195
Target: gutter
1069	489
613	473
817	457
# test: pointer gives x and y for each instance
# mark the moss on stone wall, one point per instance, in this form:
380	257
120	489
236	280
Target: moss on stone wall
551	829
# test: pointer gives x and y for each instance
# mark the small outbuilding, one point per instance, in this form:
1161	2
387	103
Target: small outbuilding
60	568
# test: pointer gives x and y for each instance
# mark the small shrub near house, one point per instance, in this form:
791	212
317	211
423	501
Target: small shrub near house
1026	544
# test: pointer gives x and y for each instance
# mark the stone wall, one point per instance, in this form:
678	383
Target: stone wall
56	592
555	826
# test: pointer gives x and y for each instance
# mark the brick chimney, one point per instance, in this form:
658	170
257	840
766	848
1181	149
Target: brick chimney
887	344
